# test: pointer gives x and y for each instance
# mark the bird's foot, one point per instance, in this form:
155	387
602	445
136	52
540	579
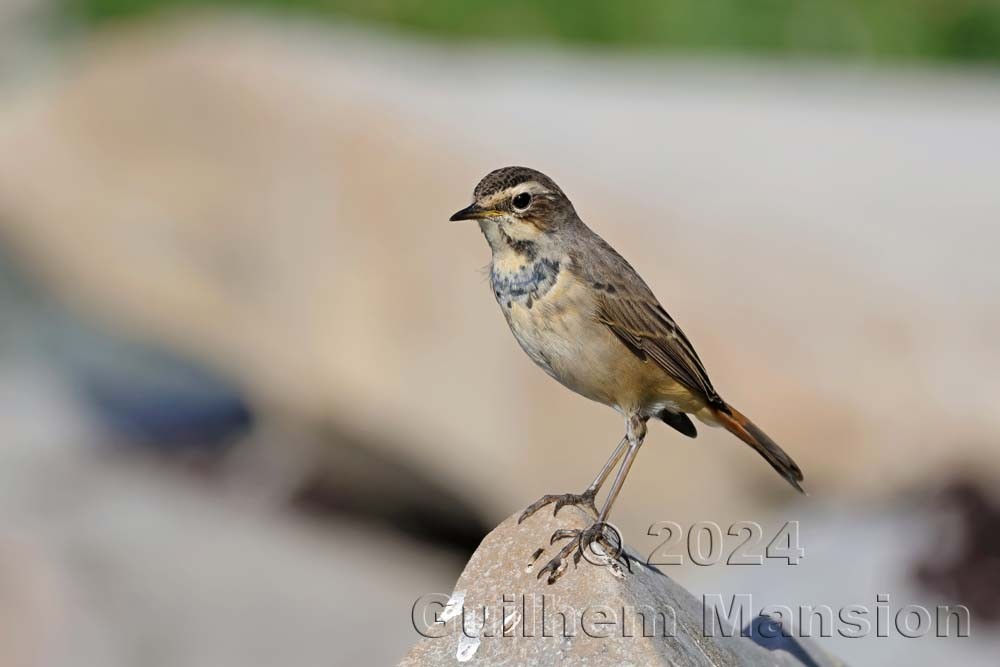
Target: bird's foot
581	545
585	499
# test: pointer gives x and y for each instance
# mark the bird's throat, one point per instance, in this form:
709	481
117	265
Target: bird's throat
503	243
516	279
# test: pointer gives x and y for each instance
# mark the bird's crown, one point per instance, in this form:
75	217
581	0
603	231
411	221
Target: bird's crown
504	178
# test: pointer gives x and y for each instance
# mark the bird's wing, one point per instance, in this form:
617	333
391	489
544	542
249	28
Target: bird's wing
641	323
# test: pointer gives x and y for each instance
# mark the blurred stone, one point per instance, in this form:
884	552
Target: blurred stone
500	613
271	200
106	561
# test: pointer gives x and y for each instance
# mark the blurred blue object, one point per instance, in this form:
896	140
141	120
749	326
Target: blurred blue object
769	632
154	397
146	394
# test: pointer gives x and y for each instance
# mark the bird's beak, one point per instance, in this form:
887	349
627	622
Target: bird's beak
472	212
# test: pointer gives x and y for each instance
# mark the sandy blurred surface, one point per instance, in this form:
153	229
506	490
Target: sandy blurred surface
275	200
272	200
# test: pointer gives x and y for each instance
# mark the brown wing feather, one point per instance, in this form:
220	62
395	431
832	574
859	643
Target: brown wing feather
646	329
629	308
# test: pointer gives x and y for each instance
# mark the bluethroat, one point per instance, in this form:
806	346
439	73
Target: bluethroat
583	314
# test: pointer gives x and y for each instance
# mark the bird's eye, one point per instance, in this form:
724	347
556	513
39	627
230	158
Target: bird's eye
522	201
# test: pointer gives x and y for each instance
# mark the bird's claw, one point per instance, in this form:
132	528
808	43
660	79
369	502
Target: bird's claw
562	534
579	540
585	499
557	565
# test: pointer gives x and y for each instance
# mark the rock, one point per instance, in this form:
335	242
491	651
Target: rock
596	613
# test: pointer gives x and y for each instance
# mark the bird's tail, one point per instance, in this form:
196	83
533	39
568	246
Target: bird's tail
736	423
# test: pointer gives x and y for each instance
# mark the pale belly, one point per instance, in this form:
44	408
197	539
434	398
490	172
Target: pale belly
561	333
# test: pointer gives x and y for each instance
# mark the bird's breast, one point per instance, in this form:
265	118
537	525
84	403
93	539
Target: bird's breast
551	314
531	293
515	279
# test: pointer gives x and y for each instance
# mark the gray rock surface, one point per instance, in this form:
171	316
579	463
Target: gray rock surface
597	613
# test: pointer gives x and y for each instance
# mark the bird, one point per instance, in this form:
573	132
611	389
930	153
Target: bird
582	313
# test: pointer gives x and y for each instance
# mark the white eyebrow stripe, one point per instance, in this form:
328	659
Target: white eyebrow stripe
533	187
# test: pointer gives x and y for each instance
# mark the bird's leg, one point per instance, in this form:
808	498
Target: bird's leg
635	436
582	539
586	498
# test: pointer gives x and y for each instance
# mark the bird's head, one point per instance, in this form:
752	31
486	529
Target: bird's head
519	204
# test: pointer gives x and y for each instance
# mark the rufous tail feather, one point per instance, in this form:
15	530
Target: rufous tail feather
744	429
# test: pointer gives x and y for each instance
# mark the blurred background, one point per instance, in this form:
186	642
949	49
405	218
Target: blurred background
255	394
